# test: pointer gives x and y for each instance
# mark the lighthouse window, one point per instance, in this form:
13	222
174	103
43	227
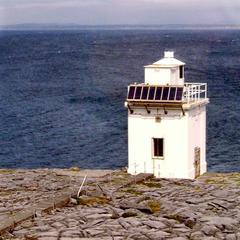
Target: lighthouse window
181	69
158	147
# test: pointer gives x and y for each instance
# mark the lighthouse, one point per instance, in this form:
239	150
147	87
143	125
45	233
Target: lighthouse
167	122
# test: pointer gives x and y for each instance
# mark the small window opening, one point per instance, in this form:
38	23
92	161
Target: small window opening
181	71
158	147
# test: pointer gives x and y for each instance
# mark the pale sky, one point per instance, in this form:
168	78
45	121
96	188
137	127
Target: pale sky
98	12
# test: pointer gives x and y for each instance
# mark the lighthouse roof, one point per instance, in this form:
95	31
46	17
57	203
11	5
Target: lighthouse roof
167	61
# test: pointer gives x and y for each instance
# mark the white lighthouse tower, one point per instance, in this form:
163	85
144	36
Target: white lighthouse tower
167	122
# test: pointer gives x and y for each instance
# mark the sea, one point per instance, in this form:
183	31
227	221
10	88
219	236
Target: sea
62	93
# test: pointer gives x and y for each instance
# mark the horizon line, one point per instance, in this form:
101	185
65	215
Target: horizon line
76	26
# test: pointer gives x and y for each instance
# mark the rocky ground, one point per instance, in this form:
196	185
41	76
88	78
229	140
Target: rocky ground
113	205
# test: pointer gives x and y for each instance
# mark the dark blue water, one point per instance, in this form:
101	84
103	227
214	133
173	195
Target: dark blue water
62	93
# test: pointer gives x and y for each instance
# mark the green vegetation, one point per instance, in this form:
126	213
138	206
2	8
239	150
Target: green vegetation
120	178
222	178
4	193
129	214
154	205
75	169
216	180
133	191
7	171
91	201
30	238
153	184
235	177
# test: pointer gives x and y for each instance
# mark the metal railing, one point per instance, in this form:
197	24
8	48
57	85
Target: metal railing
194	92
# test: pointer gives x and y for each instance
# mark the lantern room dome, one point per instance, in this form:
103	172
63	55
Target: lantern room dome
167	61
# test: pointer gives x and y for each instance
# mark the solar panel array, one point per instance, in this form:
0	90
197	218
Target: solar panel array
155	93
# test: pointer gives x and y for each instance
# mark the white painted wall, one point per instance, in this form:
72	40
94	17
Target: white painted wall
157	76
173	128
175	80
163	76
203	139
197	137
181	135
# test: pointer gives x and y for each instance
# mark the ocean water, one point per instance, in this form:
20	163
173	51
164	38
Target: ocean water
62	93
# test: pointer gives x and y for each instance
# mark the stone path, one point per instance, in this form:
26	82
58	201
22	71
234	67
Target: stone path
108	208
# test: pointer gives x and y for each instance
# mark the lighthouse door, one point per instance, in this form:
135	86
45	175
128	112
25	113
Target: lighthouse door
197	158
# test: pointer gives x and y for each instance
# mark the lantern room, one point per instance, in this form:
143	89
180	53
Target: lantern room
167	70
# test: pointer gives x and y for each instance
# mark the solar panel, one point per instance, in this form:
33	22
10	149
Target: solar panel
145	93
165	93
158	93
138	92
151	93
131	92
172	93
179	94
155	93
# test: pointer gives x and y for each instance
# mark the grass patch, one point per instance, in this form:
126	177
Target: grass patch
133	191
75	169
238	183
235	177
7	171
129	214
31	238
222	178
91	201
4	193
198	189
120	178
217	180
155	206
153	184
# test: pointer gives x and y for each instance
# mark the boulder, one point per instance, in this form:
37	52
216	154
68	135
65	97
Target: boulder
154	224
221	222
209	230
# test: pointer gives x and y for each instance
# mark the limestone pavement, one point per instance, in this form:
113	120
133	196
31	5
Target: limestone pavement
113	205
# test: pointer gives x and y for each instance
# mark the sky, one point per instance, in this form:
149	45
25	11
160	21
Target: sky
105	12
